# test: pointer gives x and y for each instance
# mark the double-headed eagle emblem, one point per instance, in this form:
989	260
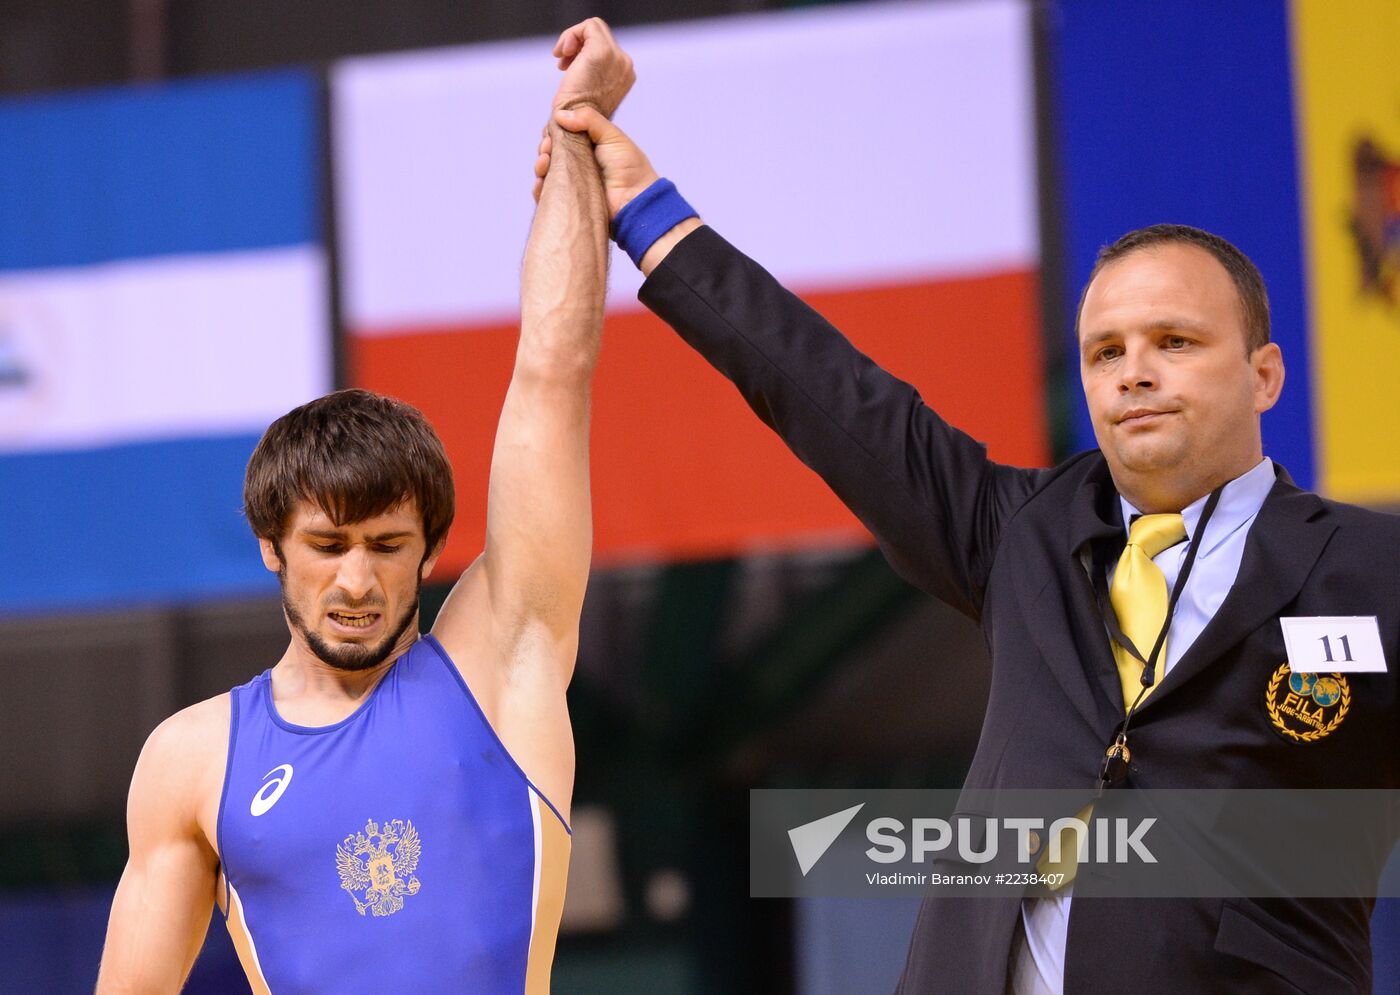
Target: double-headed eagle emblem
1375	219
376	866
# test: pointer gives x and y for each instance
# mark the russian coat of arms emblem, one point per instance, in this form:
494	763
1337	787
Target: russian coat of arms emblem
376	866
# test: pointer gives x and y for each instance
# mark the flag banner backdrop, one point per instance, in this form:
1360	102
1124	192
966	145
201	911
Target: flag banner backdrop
1183	112
879	160
1348	93
163	296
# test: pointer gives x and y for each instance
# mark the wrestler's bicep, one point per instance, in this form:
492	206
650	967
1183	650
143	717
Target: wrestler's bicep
163	902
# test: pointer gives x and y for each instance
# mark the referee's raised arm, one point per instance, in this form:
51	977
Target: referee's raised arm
926	490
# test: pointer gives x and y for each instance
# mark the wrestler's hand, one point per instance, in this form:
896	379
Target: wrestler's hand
625	168
597	73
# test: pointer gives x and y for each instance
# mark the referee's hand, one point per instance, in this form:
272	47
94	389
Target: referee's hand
625	168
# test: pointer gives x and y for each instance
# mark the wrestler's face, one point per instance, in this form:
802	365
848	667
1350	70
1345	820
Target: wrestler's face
350	592
1173	393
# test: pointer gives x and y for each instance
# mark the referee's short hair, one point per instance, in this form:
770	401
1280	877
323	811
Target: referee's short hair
1249	284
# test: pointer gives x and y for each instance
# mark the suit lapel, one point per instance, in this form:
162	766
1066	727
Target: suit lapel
1062	615
1283	545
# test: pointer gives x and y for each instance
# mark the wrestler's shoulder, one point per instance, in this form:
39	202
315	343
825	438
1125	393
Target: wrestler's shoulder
191	739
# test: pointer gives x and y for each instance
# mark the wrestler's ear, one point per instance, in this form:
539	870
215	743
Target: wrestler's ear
271	554
431	559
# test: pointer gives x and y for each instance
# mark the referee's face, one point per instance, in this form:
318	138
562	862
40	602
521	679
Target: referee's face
350	592
1173	394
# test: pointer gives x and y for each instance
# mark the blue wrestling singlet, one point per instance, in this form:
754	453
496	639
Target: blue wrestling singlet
399	850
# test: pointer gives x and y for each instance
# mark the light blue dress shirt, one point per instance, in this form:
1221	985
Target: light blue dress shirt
1038	959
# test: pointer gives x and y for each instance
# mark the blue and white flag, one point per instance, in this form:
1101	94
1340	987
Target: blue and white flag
163	297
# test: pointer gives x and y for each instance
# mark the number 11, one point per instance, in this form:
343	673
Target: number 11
1346	648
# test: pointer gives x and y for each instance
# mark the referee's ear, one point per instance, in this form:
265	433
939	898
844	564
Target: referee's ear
1267	362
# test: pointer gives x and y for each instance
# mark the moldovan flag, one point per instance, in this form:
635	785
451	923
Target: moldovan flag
880	161
1348	93
163	296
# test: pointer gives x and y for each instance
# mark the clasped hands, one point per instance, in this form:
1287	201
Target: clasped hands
597	75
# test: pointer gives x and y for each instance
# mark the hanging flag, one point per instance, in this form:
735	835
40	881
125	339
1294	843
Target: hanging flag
163	296
878	160
1348	97
1157	121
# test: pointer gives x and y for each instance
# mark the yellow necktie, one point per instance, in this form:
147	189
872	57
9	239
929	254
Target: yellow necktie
1139	597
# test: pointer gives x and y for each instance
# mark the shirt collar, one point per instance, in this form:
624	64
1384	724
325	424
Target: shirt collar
1240	501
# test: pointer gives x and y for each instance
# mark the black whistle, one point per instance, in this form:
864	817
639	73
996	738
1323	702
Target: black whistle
1115	762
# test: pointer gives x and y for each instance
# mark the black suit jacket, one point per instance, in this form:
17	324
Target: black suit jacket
1008	547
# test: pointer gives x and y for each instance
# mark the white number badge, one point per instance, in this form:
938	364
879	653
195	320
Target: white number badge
1331	644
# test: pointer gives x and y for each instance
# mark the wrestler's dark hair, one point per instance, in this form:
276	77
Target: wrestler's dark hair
1249	285
354	453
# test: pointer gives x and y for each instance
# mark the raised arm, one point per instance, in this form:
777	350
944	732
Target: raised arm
539	524
512	622
927	491
162	906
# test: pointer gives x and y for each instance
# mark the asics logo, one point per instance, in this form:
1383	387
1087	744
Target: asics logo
271	791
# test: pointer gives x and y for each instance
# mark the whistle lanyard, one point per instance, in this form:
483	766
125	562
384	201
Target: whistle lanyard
1117	757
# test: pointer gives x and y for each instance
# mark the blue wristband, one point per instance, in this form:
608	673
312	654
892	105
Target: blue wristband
648	216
